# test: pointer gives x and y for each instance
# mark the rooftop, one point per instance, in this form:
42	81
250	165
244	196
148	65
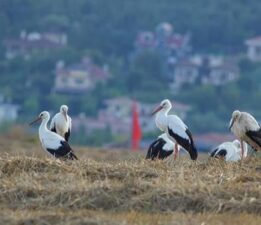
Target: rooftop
86	64
254	41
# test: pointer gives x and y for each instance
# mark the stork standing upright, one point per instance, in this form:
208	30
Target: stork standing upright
62	123
51	142
161	148
247	129
230	151
175	128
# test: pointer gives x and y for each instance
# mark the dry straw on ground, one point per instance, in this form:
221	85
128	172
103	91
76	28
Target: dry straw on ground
121	188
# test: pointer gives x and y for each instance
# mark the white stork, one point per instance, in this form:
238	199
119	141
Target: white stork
246	128
175	128
161	148
51	142
62	123
230	151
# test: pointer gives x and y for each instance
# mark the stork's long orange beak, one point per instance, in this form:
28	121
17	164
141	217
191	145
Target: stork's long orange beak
156	110
36	120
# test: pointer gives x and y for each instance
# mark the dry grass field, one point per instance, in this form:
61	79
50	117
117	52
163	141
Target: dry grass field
117	187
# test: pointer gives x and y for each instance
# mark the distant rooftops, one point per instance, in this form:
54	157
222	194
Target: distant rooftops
254	41
79	77
28	42
163	38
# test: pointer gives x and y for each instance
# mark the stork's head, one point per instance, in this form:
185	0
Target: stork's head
165	106
64	111
236	143
235	116
42	116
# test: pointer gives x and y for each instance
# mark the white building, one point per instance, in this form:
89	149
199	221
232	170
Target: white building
204	70
8	112
254	49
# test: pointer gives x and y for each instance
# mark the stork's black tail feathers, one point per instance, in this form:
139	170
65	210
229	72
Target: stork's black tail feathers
152	152
187	144
193	152
218	153
213	153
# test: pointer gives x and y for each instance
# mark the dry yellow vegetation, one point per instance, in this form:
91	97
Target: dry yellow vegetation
117	187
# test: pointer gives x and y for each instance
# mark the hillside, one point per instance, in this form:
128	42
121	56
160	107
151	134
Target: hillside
106	32
215	25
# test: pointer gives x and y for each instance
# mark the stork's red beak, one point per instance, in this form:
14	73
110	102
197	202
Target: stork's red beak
156	110
36	120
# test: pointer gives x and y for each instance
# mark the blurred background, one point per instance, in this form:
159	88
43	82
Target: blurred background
113	61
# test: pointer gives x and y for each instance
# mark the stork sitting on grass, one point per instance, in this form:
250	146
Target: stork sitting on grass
51	142
160	148
229	151
175	129
247	129
62	123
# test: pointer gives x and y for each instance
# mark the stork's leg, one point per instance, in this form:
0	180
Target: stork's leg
176	151
242	149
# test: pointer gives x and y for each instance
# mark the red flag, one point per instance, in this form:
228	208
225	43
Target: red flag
136	129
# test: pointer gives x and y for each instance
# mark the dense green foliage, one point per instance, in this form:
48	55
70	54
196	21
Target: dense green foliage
106	31
111	26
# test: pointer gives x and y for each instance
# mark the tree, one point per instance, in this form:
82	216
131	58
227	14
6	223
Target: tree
145	72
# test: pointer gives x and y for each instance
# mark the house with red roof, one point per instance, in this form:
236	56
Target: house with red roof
163	40
166	42
79	77
30	42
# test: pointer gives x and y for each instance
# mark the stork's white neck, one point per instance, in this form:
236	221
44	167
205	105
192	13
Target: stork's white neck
162	119
43	127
